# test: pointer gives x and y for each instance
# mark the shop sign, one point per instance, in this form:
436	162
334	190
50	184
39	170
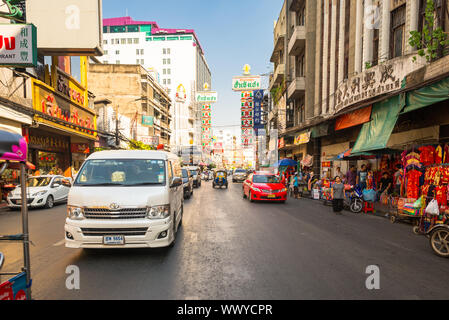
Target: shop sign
302	138
247	113
258	96
149	140
69	87
147	120
207	96
18	45
373	82
80	148
281	143
53	143
326	164
246	95
247	123
49	102
206	106
243	83
246	132
247	104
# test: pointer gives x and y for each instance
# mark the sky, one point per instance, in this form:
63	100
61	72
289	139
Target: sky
232	33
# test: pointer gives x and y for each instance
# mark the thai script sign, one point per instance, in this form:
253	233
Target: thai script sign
69	87
50	103
243	83
147	120
302	138
149	140
207	96
18	45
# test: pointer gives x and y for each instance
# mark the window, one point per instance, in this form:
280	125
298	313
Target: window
105	61
375	47
397	31
141	52
168	71
105	41
170	171
142	61
168	61
168	81
164	81
105	52
117	61
137	51
123	41
164	71
136	40
117	51
117	41
130	41
164	51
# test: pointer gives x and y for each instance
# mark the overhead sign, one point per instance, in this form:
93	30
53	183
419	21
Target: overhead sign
147	120
18	45
245	83
65	113
67	27
149	140
206	96
302	138
373	82
258	97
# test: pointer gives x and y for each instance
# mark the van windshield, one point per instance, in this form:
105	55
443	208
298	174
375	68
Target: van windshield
121	172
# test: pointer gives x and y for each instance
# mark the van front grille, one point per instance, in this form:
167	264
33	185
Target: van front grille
126	213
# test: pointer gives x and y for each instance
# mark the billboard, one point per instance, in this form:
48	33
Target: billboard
67	27
18	45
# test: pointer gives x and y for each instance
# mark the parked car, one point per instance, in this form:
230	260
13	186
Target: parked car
264	186
195	171
239	175
125	199
42	191
187	182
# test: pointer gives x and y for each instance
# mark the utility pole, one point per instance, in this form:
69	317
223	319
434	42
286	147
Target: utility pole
116	128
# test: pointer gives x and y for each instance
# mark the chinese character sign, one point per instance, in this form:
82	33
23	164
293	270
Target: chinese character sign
18	45
258	97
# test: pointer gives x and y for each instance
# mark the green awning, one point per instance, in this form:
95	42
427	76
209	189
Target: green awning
427	96
375	134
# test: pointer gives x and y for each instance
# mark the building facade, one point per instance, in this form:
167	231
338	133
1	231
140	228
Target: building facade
134	95
176	59
348	64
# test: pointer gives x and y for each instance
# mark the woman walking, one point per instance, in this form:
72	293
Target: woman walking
338	195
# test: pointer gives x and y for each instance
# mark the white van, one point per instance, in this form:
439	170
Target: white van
125	199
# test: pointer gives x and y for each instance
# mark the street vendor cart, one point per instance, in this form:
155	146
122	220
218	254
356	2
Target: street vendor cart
13	154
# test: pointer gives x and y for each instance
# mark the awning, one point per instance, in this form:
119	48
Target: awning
354	118
427	96
374	135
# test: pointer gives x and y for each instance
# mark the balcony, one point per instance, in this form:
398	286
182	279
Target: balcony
297	88
297	41
278	76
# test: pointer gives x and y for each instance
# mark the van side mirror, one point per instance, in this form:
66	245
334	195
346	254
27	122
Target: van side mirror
56	184
176	182
2	260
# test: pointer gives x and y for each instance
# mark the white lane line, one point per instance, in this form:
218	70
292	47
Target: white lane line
59	243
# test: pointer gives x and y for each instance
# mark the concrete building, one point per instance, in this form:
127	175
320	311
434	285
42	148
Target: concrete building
343	60
136	95
176	59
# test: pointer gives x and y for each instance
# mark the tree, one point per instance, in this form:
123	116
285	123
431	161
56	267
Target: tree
137	145
431	41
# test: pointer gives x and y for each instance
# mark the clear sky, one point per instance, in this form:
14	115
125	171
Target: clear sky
231	32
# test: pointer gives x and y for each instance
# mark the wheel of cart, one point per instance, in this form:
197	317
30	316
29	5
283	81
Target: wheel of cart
425	223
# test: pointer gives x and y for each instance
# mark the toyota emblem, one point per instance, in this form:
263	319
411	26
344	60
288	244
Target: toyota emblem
114	206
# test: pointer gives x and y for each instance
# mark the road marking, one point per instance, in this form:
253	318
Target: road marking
59	243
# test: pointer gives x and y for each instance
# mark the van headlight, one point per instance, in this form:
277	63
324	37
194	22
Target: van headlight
158	212
40	193
75	213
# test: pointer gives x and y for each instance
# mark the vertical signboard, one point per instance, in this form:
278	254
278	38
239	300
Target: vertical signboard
247	111
258	97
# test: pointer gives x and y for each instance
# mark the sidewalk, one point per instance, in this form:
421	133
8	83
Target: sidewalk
3	207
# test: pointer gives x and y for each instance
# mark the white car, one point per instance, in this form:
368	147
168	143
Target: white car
42	191
125	199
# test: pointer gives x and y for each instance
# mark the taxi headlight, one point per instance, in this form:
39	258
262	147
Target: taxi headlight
75	213
158	212
256	189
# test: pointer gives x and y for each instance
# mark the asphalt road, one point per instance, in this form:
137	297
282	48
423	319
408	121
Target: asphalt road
229	248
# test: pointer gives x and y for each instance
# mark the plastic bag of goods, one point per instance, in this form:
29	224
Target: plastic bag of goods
369	195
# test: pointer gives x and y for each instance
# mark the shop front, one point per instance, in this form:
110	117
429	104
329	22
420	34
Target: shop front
66	130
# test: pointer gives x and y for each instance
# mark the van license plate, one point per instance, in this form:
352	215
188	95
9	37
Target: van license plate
114	240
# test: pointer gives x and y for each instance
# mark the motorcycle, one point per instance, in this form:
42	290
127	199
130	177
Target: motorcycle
354	201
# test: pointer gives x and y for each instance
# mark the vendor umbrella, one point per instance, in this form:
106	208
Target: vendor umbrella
286	163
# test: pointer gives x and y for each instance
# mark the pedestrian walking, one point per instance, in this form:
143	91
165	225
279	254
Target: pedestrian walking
351	176
338	195
296	186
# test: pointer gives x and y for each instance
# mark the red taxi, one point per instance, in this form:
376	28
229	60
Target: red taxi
264	186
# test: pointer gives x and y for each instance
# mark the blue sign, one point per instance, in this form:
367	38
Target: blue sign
257	98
